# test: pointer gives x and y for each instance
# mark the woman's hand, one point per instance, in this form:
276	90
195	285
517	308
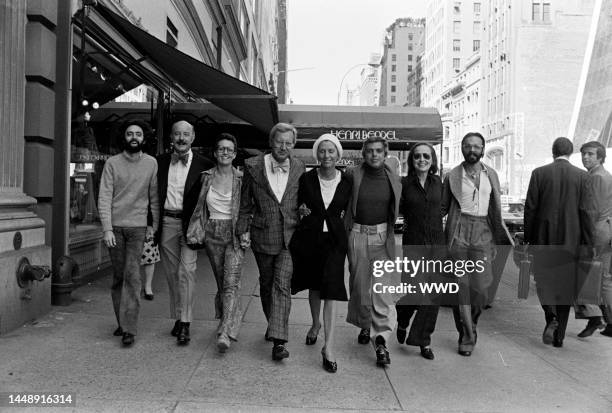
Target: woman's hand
245	240
304	211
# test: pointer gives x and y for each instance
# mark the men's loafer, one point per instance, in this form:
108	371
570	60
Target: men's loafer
382	356
183	336
465	353
549	332
557	343
401	335
127	339
607	331
118	332
279	352
223	343
427	353
591	328
364	336
176	329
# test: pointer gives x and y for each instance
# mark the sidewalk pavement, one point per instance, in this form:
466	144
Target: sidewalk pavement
72	349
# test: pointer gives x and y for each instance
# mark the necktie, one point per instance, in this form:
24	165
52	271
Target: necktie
278	167
184	158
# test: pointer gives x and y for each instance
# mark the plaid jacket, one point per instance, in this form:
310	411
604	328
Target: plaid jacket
271	223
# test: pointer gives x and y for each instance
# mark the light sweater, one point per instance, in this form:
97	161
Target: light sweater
127	187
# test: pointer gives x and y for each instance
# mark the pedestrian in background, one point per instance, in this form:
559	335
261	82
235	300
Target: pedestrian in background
557	224
422	238
593	157
213	224
268	217
179	187
128	188
320	243
150	256
374	206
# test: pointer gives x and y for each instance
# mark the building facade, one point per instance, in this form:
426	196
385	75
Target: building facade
415	78
402	44
532	56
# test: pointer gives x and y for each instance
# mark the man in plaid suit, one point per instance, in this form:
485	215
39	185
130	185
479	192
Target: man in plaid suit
268	216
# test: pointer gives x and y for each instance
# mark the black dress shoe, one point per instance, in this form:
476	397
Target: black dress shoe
465	353
549	332
607	331
427	353
330	366
364	336
127	339
591	327
148	297
557	343
382	355
176	328
279	352
183	336
401	334
118	332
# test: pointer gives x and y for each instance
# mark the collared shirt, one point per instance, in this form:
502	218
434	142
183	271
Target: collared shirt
277	178
475	201
601	191
177	176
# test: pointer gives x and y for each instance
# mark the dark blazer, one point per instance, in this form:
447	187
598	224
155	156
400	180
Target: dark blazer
270	222
557	207
421	208
193	184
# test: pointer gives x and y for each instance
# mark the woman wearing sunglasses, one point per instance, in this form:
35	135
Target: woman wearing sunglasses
213	223
422	239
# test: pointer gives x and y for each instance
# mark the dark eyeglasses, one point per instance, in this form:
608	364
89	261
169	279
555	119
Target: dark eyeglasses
425	156
227	150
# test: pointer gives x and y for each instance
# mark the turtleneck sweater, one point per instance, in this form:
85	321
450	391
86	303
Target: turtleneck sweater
374	197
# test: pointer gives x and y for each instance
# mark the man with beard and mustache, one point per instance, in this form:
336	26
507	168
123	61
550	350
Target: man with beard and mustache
128	189
179	178
474	226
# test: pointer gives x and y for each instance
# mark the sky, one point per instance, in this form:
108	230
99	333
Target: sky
327	37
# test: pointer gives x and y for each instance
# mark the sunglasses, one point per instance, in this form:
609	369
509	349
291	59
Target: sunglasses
425	156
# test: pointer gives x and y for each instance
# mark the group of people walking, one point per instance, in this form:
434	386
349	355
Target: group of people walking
301	227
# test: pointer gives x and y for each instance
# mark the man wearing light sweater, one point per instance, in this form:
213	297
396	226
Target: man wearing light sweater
128	188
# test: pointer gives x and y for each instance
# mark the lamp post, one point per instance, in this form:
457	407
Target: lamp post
372	65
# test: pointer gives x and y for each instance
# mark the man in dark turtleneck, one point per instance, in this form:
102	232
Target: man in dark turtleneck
370	219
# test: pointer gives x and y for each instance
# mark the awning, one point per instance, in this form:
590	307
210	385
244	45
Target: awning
401	126
241	99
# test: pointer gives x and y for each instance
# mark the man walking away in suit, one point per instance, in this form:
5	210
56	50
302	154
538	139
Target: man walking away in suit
128	189
268	217
557	223
179	188
471	197
593	157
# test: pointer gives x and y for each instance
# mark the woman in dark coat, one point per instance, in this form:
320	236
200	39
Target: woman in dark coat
319	244
422	237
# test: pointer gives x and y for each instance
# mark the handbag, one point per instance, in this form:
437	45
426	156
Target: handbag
524	260
588	281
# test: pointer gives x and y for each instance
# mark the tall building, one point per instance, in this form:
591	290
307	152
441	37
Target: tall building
402	44
532	55
415	78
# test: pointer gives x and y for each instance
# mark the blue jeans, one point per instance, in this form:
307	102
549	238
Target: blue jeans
125	291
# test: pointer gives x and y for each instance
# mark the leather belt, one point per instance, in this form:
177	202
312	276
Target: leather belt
173	214
370	229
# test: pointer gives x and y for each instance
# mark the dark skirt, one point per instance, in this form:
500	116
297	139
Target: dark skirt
319	267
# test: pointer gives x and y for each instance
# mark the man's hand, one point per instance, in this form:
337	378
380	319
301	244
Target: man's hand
109	239
149	234
245	240
304	211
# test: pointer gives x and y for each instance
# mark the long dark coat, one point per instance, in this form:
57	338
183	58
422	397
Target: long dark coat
305	246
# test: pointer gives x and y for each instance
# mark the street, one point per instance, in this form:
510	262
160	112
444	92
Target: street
72	349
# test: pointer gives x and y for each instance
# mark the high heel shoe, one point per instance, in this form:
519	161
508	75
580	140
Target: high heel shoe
310	340
329	366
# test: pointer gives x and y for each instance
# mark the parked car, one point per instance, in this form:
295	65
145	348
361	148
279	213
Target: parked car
512	214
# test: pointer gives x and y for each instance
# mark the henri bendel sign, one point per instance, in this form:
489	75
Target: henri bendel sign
362	134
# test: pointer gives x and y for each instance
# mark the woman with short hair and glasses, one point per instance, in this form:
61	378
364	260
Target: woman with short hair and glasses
422	238
213	223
